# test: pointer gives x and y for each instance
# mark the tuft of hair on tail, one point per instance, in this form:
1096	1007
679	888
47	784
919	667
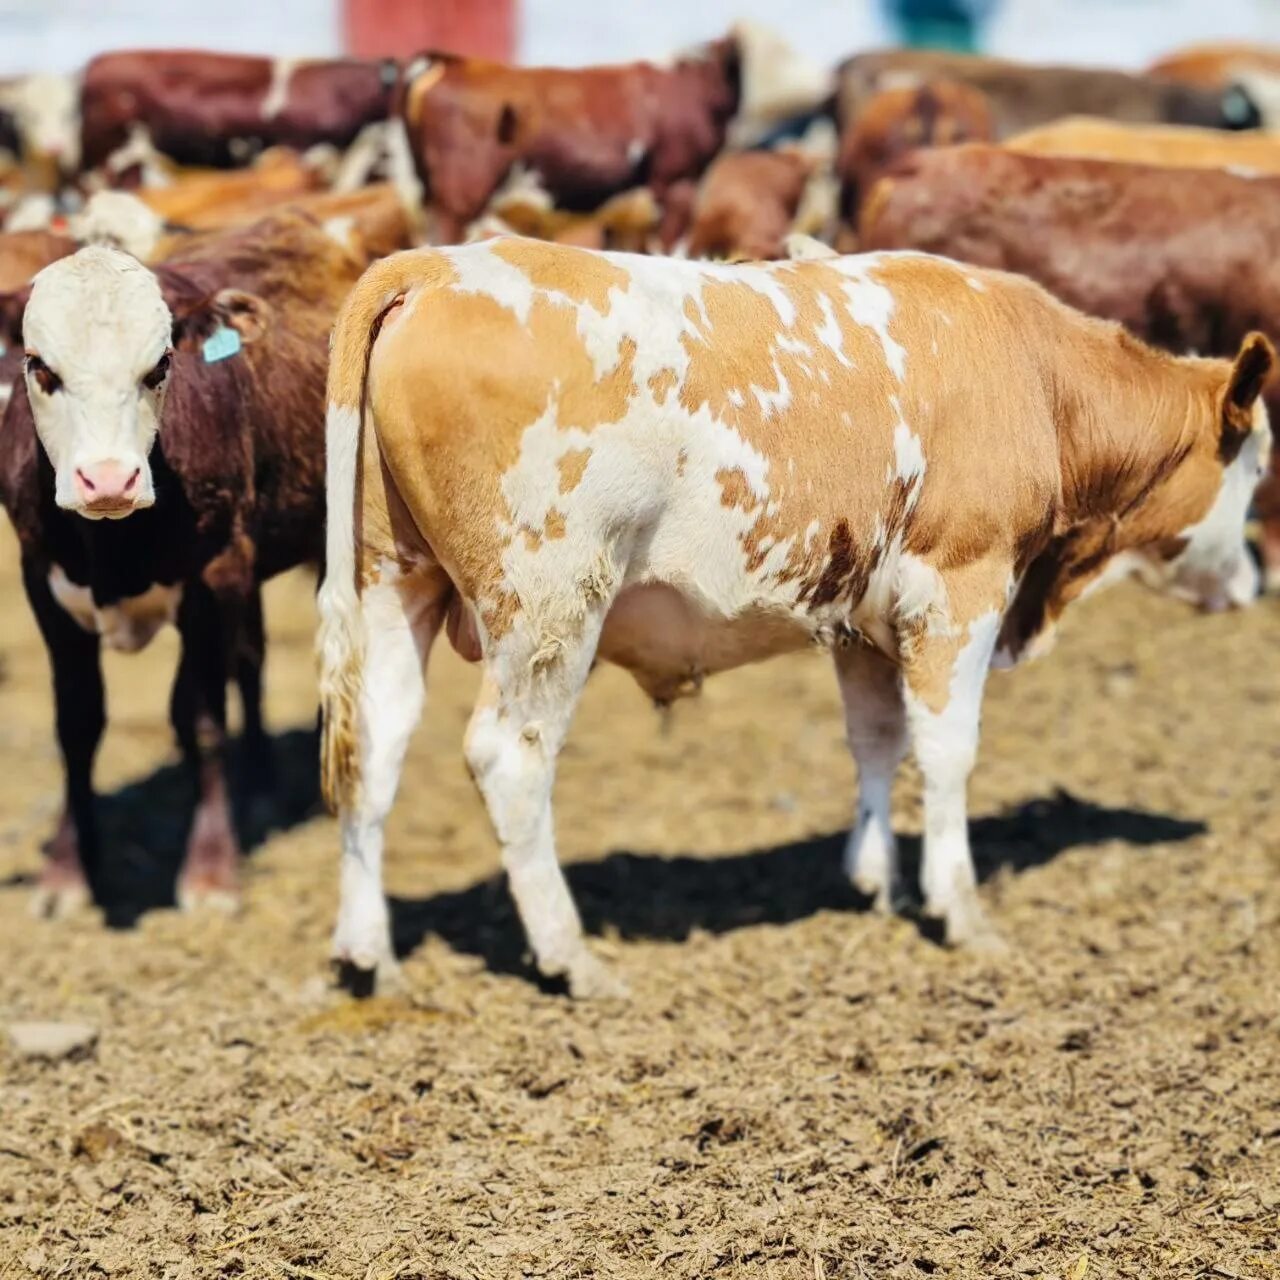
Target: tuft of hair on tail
340	640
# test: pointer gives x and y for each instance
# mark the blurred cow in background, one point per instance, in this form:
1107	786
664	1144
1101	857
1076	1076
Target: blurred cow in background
222	109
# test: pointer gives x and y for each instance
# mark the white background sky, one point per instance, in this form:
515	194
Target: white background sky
61	34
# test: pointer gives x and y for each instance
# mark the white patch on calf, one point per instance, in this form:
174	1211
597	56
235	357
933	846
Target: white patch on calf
282	70
129	624
871	305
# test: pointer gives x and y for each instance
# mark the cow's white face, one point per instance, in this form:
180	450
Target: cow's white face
97	335
46	109
1214	568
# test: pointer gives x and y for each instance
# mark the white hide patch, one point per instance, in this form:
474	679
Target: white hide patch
282	70
127	625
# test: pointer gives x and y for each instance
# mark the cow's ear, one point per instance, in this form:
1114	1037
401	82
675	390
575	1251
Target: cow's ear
246	313
1253	366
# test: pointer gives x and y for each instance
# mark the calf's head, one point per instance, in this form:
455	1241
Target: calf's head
99	339
1203	556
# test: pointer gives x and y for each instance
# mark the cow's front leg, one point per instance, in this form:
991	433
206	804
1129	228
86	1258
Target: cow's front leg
876	726
80	716
210	874
259	773
946	653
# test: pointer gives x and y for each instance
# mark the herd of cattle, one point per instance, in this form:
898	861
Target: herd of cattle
673	463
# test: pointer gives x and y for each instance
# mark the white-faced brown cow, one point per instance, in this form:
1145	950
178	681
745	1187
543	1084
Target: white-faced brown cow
161	457
682	467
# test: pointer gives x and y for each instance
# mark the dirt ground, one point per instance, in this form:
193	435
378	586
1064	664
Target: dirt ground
797	1087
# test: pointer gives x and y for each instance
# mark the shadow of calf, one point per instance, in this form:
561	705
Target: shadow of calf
647	896
144	825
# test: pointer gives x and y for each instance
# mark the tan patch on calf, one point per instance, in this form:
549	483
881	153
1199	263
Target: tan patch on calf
579	275
661	384
571	466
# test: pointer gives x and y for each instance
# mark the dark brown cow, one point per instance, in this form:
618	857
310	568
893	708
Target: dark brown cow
1188	259
939	113
747	204
1021	96
587	134
221	109
224	352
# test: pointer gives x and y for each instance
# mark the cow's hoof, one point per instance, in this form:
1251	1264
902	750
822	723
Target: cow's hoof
886	899
590	978
362	980
59	893
214	889
969	928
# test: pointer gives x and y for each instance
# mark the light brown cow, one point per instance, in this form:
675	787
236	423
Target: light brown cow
1179	146
746	205
1256	67
1022	95
682	466
940	113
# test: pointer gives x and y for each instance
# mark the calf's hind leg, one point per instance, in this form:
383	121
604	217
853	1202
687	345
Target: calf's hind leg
522	715
401	619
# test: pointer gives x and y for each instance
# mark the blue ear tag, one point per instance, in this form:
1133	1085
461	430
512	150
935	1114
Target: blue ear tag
3	349
221	344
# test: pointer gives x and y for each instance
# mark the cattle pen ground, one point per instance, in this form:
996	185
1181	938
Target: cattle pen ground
797	1087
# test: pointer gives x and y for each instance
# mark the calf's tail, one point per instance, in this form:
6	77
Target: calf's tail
340	641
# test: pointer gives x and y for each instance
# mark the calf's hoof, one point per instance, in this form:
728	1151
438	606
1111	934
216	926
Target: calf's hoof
362	981
212	886
967	926
589	978
60	892
886	899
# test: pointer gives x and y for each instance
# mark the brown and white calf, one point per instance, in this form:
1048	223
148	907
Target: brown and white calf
221	109
682	467
161	457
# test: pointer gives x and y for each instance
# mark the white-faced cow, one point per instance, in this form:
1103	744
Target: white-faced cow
682	467
162	457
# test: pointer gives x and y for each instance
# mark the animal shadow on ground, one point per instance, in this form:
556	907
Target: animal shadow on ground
649	896
144	824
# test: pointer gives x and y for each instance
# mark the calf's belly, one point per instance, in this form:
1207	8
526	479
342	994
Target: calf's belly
669	642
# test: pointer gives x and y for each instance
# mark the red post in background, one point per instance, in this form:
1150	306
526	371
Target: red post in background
400	28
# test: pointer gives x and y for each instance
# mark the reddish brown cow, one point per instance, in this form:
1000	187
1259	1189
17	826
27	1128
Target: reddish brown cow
1021	96
1188	259
747	204
23	253
220	109
587	133
939	113
214	396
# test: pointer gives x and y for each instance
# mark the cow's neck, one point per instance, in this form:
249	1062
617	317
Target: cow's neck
1128	416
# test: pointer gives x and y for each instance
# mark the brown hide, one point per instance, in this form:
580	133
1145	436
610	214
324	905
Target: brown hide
587	133
198	107
747	204
1022	96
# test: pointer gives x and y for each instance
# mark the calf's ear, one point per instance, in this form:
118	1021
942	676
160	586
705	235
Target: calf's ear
1253	366
246	313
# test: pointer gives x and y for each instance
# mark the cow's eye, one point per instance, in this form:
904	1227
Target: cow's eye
46	379
156	377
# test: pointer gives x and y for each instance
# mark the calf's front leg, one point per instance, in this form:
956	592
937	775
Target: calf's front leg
80	716
945	658
210	874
